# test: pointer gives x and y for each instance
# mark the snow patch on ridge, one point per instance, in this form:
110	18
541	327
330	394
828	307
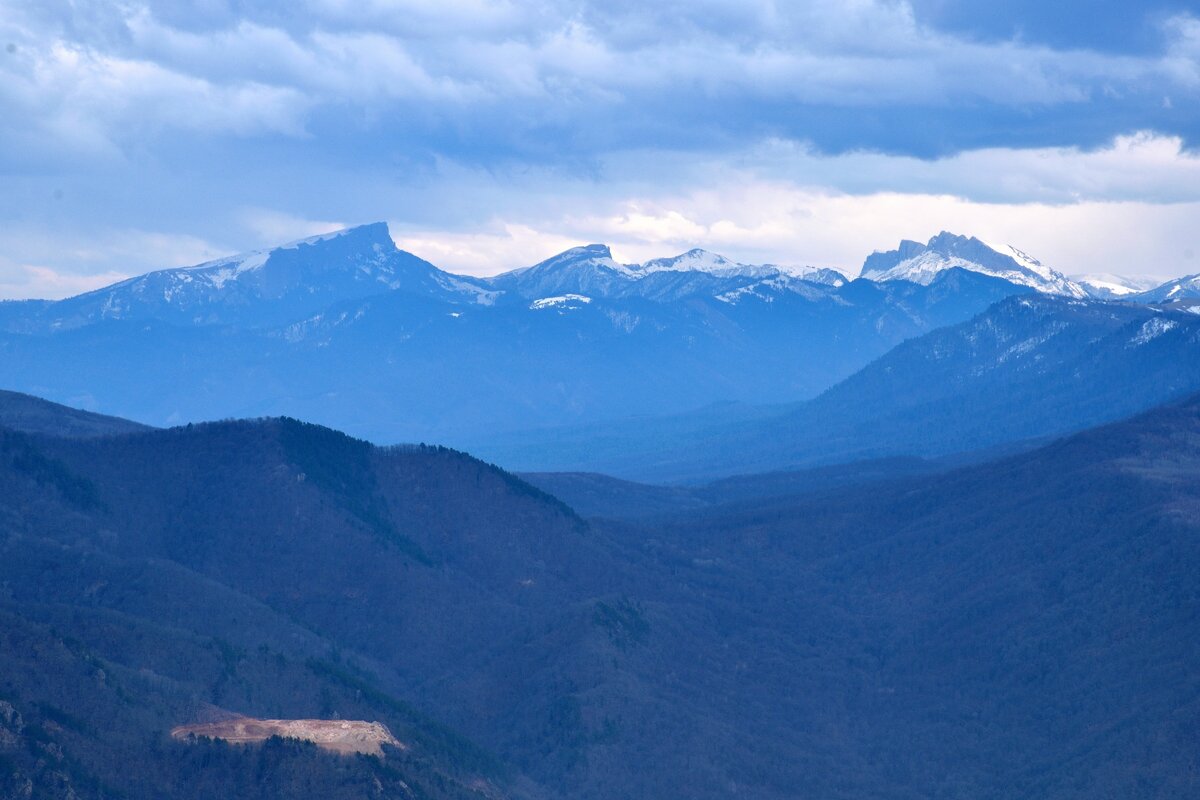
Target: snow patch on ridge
562	301
1026	261
320	237
1152	329
698	260
1106	286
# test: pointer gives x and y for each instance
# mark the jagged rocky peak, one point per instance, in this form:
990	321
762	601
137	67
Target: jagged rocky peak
879	262
923	263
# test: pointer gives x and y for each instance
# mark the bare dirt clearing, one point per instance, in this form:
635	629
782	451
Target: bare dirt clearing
340	736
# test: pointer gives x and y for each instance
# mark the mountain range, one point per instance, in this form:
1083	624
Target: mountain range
576	353
346	329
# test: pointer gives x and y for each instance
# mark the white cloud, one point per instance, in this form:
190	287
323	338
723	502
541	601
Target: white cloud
609	75
62	97
1137	166
779	224
43	263
496	247
325	66
1183	49
1080	211
28	281
495	133
275	227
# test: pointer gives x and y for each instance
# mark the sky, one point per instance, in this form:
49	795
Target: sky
143	134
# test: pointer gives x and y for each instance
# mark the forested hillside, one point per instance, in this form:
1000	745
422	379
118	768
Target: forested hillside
1023	627
167	577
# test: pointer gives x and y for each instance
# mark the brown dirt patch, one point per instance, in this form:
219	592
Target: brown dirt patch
337	735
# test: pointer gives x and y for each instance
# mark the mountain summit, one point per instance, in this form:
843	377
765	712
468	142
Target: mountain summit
921	263
266	287
697	260
581	270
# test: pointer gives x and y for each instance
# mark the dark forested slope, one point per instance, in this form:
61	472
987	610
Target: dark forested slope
1022	628
167	577
1025	627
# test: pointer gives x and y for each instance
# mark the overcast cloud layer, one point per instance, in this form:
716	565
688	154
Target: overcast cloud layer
136	135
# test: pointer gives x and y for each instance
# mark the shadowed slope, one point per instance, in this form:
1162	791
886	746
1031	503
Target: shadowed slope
23	412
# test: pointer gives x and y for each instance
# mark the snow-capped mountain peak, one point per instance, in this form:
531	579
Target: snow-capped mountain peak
922	263
587	270
263	287
597	256
698	260
371	243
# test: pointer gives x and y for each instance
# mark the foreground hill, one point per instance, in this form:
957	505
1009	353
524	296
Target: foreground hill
1019	628
1027	368
168	577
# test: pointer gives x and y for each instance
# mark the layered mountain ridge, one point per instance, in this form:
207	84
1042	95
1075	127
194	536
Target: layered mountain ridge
348	330
1028	367
286	283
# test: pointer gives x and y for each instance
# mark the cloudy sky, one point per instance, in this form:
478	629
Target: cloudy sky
137	134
